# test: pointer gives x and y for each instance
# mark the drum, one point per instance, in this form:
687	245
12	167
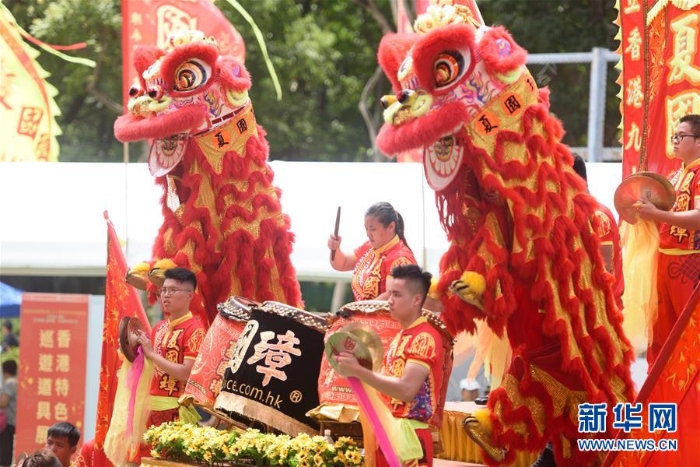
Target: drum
337	402
206	378
272	374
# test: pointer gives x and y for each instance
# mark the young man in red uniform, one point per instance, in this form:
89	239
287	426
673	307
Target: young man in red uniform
679	235
173	346
411	378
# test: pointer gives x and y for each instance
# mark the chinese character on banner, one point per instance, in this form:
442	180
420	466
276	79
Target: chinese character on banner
48	367
660	77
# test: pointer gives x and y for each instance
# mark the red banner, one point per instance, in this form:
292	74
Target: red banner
660	77
151	22
52	368
121	300
674	379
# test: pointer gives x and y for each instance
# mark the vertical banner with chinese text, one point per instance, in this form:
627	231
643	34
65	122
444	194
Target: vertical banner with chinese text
151	22
660	79
52	368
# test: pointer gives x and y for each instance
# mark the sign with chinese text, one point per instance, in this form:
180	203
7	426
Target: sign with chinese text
152	22
659	80
52	366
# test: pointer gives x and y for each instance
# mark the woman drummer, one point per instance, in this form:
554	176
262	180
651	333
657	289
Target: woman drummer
373	261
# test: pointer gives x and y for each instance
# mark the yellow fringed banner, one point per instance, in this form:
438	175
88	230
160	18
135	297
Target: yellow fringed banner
640	245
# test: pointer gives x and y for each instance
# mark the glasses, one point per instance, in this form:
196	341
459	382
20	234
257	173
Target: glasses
678	139
172	290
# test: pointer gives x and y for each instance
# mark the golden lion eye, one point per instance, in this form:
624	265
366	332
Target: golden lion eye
191	75
448	67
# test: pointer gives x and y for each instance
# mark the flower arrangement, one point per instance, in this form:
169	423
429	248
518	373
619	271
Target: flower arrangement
206	445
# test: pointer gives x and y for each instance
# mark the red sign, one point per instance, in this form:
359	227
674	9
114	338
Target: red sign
660	77
52	366
152	22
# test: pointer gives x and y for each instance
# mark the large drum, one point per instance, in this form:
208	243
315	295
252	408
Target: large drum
206	378
337	402
272	374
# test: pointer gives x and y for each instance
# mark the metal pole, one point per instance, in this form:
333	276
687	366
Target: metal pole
596	105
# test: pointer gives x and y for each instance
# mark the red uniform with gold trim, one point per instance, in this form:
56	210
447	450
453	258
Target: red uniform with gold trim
609	234
176	341
679	261
420	343
375	265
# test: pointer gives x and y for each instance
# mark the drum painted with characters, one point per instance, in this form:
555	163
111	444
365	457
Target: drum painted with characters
271	377
206	378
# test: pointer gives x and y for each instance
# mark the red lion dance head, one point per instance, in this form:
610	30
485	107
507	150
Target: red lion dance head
523	254
222	214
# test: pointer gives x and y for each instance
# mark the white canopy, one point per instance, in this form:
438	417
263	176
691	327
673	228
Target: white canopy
51	220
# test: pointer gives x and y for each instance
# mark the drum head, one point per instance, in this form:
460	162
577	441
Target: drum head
643	185
129	330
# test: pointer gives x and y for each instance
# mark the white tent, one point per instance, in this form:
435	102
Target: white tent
51	220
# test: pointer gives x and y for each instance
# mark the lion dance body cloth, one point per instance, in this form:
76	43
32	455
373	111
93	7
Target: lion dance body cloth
523	252
222	213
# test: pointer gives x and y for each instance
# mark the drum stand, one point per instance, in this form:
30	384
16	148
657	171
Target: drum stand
223	421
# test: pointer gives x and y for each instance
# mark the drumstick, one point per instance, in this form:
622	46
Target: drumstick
335	233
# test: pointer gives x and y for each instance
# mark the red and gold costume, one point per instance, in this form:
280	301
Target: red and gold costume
222	216
609	234
421	343
679	260
374	266
176	341
524	255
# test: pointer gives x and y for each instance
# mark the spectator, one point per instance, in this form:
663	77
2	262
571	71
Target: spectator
9	340
41	458
62	440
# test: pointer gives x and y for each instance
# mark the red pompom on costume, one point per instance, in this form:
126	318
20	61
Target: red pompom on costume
523	256
222	213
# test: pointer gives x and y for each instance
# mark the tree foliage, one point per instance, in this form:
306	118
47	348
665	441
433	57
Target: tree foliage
324	52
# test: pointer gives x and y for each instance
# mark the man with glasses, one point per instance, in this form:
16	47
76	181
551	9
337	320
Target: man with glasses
173	347
679	232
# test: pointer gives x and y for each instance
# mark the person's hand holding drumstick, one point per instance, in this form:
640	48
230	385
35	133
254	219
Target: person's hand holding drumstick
339	260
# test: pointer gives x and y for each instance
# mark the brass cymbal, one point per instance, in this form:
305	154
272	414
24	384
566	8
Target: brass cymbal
129	330
649	186
370	339
343	341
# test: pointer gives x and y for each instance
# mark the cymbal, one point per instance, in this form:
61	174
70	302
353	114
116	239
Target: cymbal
129	330
370	339
648	186
343	341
